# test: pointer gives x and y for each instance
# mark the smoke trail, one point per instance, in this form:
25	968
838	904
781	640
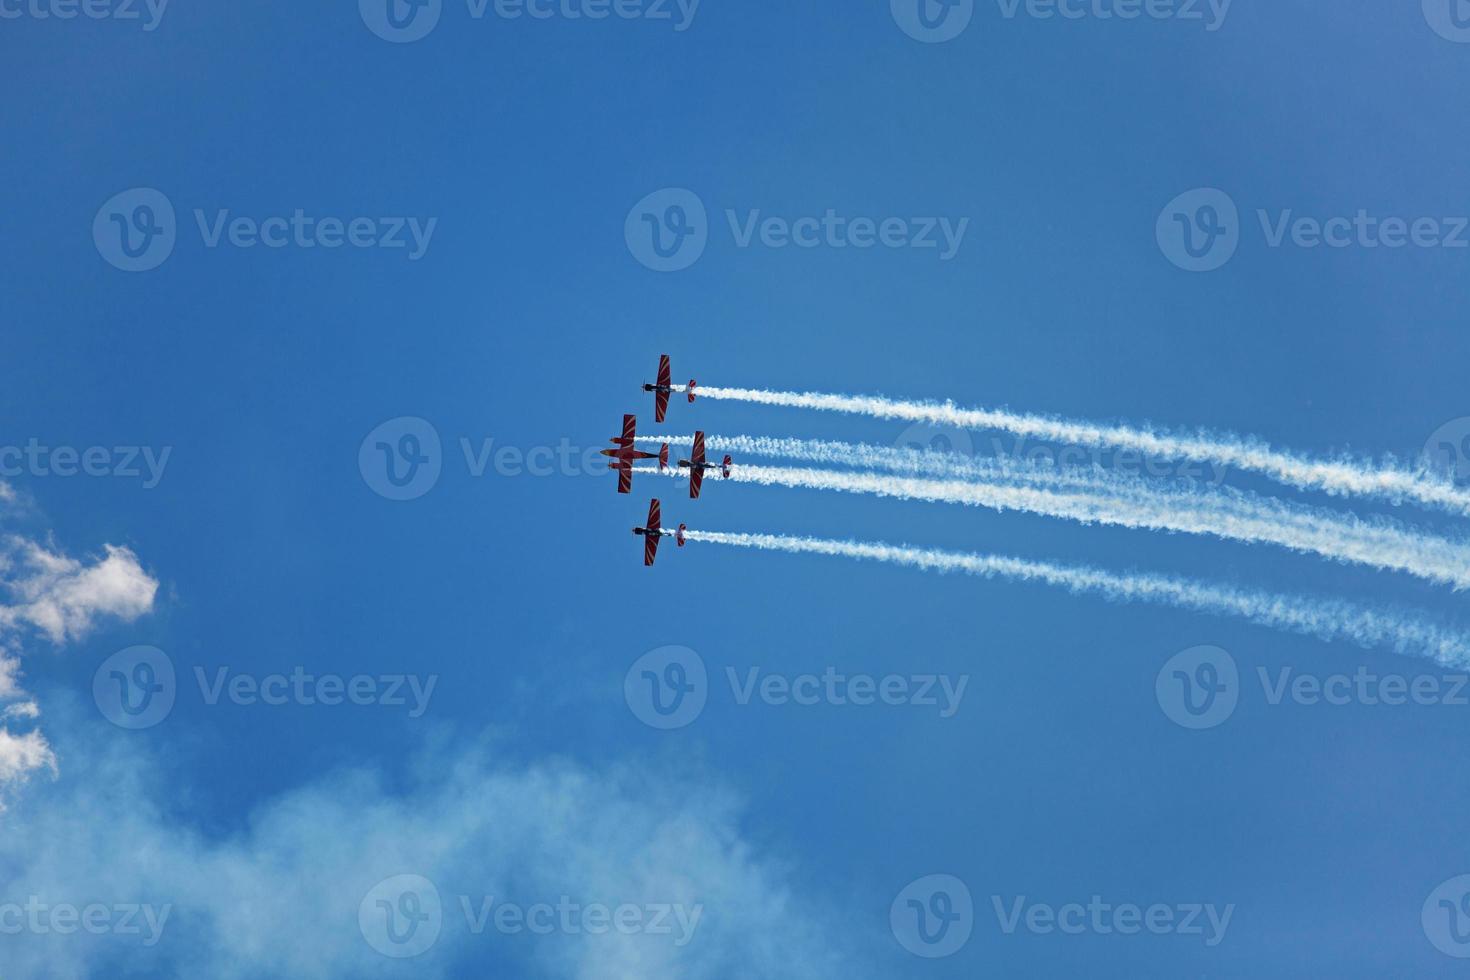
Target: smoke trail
1342	477
1340	537
1325	619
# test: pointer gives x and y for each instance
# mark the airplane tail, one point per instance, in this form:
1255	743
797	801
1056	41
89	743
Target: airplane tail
680	536
692	385
725	466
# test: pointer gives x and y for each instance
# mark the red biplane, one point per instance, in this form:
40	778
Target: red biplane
698	464
655	531
665	387
625	454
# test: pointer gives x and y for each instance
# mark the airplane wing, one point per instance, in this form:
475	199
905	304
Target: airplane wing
665	382
650	538
696	480
698	457
630	431
625	477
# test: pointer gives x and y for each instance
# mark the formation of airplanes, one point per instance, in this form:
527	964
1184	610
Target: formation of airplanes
625	452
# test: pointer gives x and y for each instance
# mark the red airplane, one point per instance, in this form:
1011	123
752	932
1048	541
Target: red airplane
625	454
664	387
699	464
655	531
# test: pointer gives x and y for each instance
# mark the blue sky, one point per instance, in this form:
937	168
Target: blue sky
523	313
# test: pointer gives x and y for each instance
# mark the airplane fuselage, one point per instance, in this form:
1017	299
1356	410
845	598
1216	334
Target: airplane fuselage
628	454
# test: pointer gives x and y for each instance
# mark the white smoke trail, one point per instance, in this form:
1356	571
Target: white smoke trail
1339	537
1325	619
1341	477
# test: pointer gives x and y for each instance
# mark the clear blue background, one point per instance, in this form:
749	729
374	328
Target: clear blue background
529	321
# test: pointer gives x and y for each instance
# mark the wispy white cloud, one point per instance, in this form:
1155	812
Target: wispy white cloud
21	755
281	897
61	598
